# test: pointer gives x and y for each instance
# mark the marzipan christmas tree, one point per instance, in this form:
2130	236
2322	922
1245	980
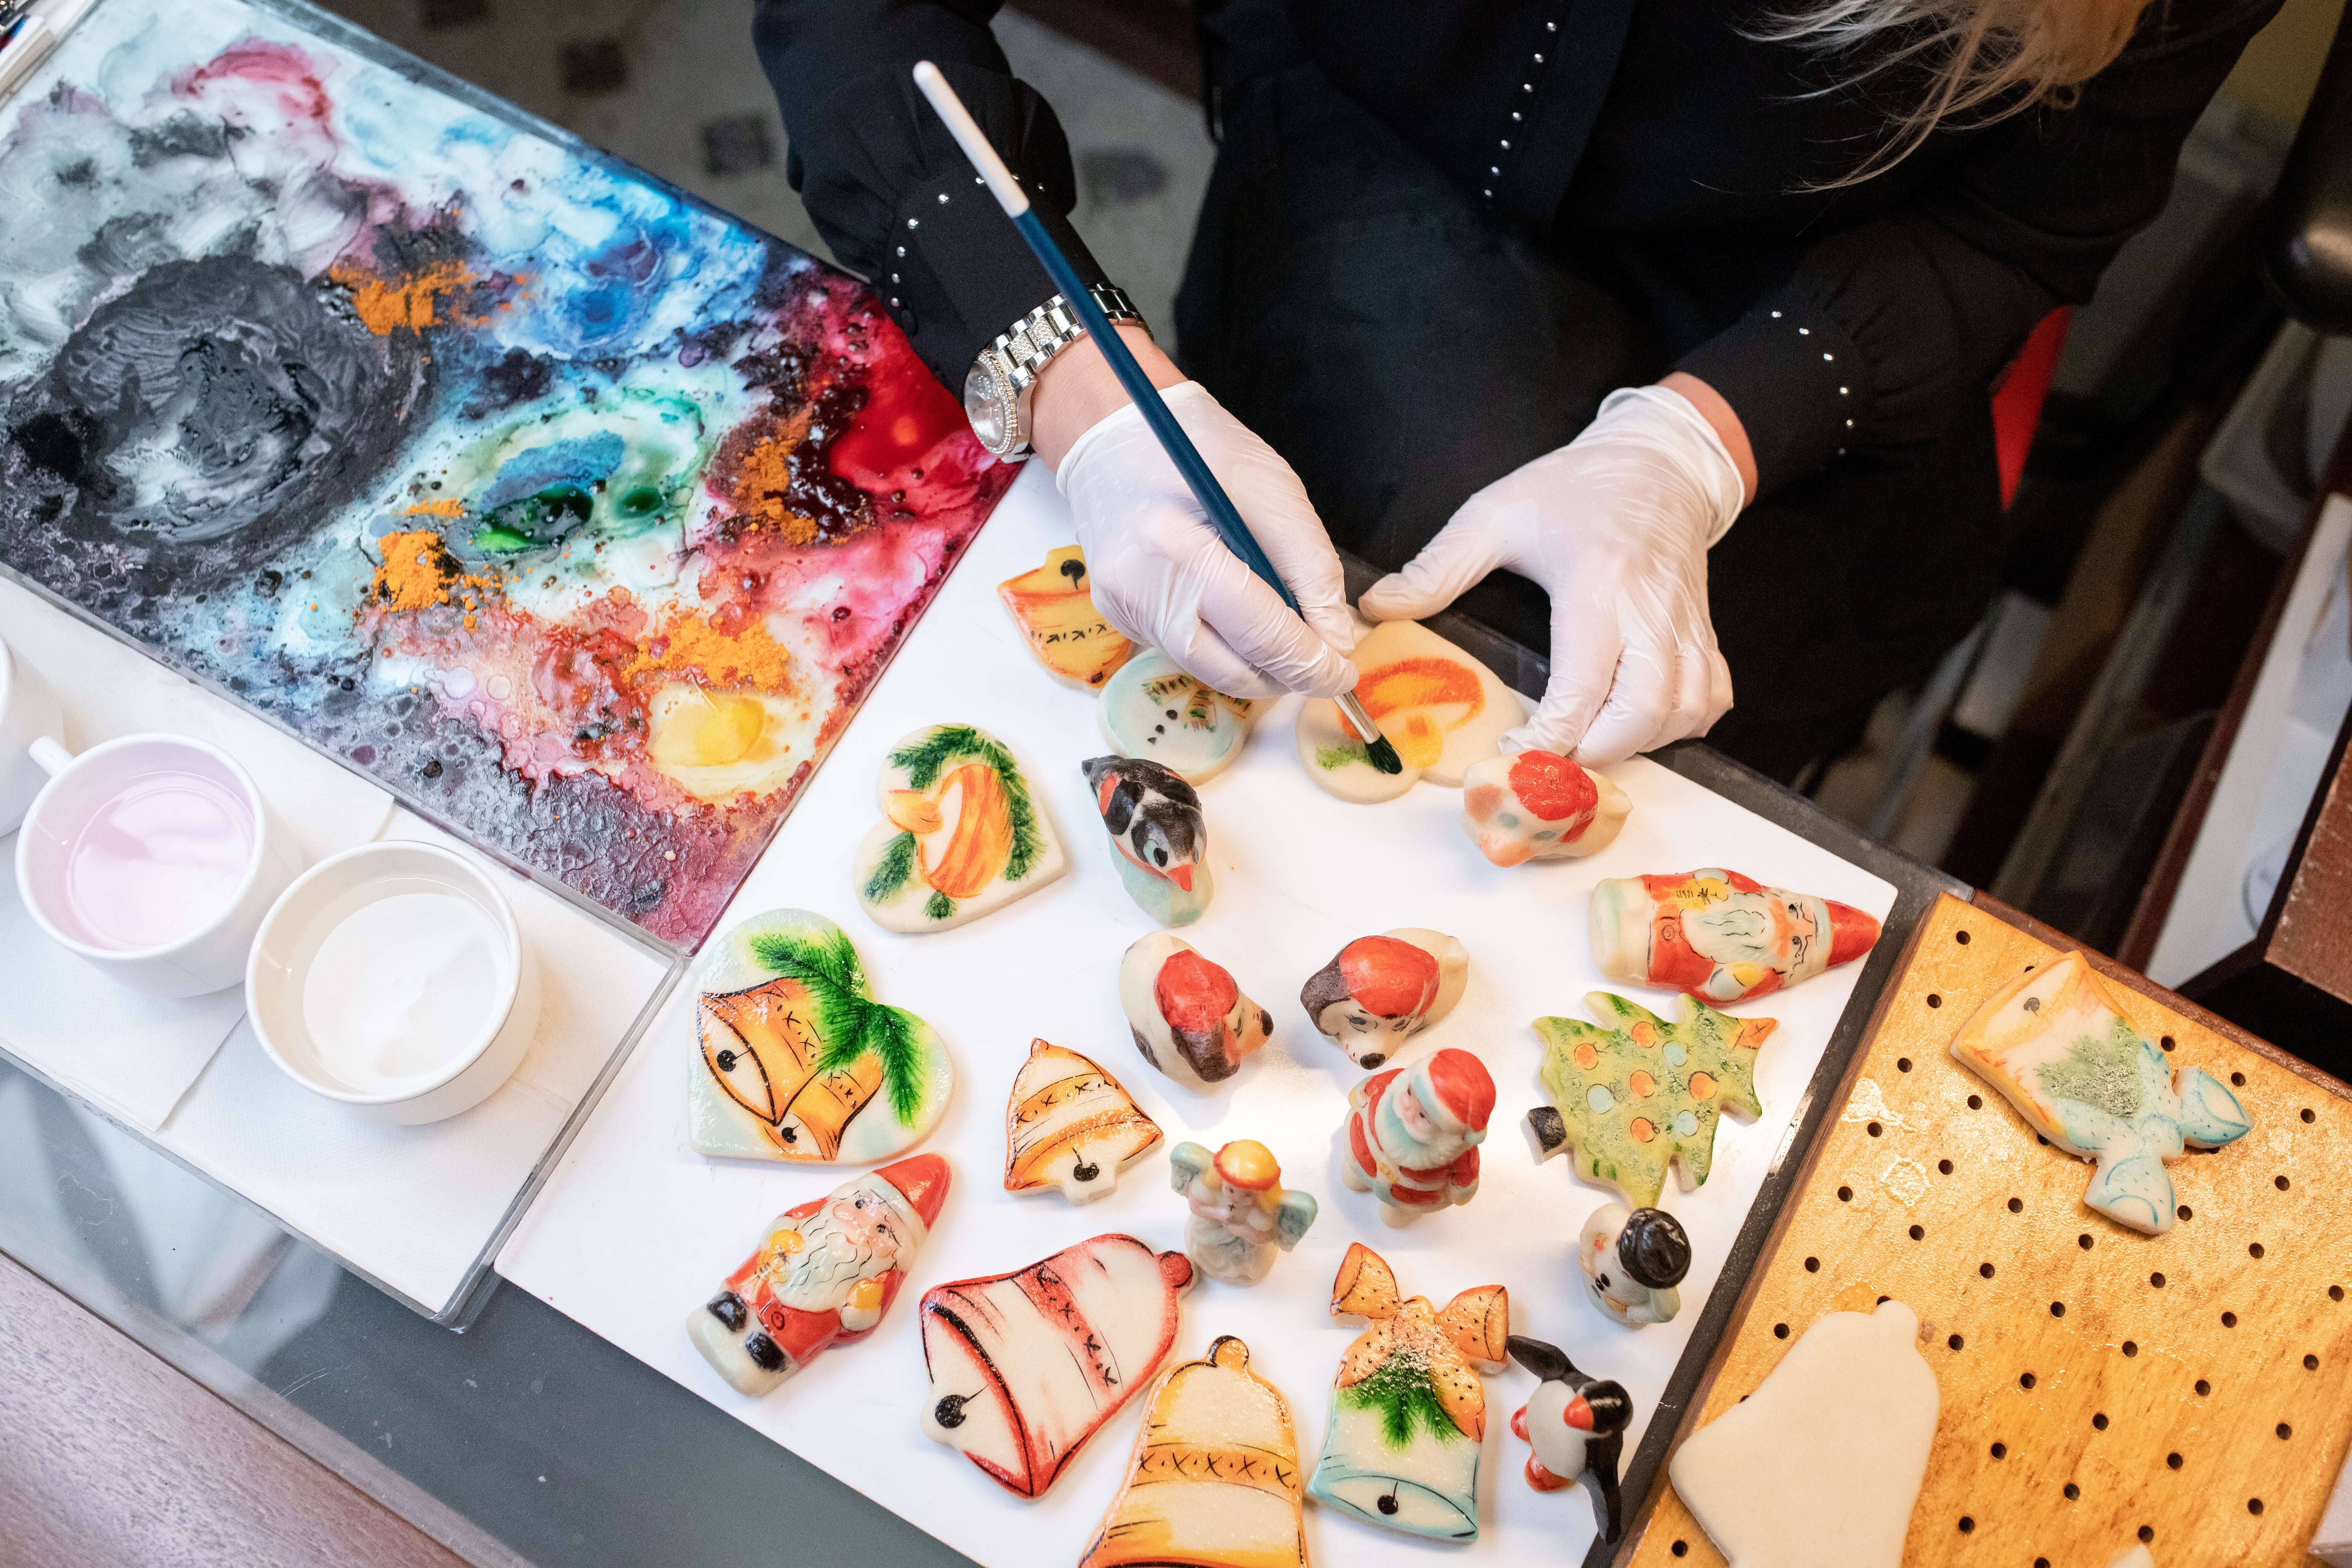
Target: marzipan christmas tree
1636	1093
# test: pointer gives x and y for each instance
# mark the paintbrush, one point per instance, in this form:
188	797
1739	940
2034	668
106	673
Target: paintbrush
1181	451
41	30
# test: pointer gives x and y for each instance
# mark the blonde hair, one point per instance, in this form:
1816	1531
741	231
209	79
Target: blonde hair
1986	60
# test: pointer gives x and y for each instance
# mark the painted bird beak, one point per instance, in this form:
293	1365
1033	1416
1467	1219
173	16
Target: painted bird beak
1181	875
1578	1415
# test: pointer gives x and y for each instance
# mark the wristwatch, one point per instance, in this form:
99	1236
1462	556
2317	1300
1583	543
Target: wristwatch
996	390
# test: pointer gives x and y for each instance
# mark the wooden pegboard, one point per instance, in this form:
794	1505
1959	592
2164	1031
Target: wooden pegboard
2098	1386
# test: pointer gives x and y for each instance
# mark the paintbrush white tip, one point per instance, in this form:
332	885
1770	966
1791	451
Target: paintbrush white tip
967	133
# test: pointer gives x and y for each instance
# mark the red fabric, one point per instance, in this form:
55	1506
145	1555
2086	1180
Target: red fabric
2017	402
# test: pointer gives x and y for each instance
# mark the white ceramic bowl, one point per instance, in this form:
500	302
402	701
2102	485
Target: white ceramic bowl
478	1057
205	959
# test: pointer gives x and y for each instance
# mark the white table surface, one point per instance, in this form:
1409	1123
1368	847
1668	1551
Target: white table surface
634	1230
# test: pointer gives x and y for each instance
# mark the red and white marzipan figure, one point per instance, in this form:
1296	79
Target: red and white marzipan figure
824	1275
1413	1134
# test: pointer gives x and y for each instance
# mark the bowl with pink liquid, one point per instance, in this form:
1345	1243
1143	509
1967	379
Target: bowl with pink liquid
153	858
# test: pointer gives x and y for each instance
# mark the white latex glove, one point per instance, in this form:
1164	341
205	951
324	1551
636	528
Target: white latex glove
1615	527
1162	578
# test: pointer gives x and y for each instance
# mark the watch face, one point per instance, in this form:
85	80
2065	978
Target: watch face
988	404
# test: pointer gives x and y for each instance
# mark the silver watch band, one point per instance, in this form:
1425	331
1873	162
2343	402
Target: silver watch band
1052	327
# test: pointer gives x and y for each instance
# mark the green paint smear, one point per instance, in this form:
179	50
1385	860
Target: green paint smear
2102	1075
1330	757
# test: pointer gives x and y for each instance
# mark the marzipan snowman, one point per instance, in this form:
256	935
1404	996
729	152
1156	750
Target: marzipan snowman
1576	1424
1632	1263
1413	1134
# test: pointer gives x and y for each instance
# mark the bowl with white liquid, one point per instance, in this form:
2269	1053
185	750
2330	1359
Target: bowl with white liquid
392	978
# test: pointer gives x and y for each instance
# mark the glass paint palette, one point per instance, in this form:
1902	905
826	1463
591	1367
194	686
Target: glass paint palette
580	516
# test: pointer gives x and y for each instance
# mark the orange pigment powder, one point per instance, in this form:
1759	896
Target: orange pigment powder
418	574
746	657
412	302
763	475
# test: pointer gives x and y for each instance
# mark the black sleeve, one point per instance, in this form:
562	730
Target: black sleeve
1883	330
886	186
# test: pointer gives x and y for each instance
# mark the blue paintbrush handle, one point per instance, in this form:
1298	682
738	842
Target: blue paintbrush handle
1146	397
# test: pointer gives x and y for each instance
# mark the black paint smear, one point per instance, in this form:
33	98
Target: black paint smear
516	376
202	420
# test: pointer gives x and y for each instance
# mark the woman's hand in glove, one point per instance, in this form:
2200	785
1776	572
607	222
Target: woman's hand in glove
1160	573
1615	527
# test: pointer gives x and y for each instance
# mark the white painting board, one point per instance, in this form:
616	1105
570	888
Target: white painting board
634	1229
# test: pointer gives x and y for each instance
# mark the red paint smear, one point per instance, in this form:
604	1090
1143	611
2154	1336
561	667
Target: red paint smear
301	94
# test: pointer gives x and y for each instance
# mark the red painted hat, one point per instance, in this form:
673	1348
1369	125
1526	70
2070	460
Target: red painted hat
1852	932
1465	1089
924	1181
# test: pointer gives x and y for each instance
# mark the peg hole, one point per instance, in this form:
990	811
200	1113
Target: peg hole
2183	1211
2253	1505
1901	1064
2146	1533
1944	1167
1812	1266
2157	1280
1933	1000
1961	937
1976	1102
2280	1182
2057	1308
2255	1249
2203	1388
2074	1492
1845	1194
1681	1549
1873	1128
2237	1080
2307	1117
1780	1331
2167	1042
2131	1347
1985	1269
2017	1205
2172	1461
2084	1241
1967	1524
2001	1450
2025	1380
2099	1422
1958	1344
1919	1233
2229	1320
2284	1431
2336	1292
2311	1364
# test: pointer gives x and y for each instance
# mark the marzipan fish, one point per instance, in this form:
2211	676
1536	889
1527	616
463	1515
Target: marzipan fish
1152	814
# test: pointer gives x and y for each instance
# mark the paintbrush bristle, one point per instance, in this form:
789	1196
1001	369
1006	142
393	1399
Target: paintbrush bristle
1382	755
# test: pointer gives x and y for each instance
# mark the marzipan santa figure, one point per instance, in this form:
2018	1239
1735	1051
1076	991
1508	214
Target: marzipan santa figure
825	1274
1413	1134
